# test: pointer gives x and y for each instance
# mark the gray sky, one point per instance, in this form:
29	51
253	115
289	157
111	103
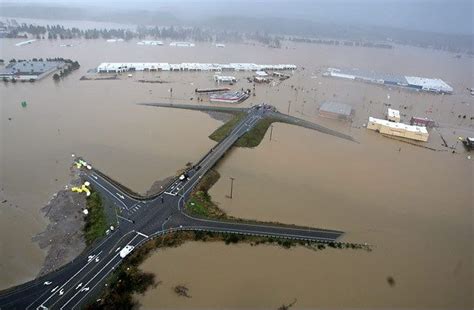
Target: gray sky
446	16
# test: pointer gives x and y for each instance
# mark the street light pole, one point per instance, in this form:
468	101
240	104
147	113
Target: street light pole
231	187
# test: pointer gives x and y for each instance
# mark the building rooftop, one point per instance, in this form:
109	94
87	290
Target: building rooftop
430	84
30	67
392	113
427	84
336	108
125	66
383	122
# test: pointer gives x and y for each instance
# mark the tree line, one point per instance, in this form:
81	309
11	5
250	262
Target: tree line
54	32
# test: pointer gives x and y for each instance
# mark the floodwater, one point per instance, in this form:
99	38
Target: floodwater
411	203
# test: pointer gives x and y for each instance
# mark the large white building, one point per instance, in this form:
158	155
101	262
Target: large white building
115	67
182	44
398	129
150	42
413	82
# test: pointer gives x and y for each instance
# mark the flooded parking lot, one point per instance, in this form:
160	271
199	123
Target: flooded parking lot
412	204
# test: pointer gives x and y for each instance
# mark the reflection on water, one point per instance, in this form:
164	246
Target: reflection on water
411	203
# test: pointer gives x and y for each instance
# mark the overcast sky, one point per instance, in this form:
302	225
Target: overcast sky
447	16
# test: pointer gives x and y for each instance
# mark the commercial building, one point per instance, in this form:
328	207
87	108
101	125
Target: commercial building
116	67
224	79
229	97
182	44
29	70
114	40
150	42
393	115
401	130
422	121
412	82
261	79
336	110
261	73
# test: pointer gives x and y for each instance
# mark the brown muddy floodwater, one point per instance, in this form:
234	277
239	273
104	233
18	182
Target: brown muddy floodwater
413	204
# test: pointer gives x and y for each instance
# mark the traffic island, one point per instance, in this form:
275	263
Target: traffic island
95	225
200	202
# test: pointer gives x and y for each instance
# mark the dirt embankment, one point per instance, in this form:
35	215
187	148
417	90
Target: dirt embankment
158	186
63	236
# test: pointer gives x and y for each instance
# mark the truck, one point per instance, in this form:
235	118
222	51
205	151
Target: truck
126	250
468	143
183	177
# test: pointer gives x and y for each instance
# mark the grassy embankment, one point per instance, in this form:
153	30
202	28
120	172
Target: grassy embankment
251	138
96	221
200	203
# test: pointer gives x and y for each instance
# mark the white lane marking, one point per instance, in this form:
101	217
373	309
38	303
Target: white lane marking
141	234
94	176
124	218
121	196
100	280
98	247
96	182
97	273
69	280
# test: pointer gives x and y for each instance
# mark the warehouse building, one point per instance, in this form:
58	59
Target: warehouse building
150	42
336	110
115	67
224	79
29	70
401	130
229	97
412	82
422	121
182	44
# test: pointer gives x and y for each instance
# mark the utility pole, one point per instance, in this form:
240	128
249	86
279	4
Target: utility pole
271	132
231	187
289	105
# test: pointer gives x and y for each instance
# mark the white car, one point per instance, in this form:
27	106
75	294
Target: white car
126	250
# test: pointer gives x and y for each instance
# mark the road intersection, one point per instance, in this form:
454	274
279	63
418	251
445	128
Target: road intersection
140	220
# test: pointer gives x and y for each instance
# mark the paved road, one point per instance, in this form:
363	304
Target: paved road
139	221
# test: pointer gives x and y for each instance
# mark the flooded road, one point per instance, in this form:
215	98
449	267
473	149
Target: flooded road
412	204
